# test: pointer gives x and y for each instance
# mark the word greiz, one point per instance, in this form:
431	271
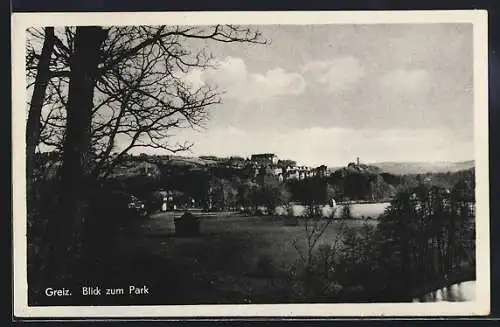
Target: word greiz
97	291
57	292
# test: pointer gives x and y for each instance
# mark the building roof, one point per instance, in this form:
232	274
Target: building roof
263	155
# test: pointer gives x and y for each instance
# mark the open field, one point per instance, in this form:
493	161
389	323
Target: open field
260	235
223	265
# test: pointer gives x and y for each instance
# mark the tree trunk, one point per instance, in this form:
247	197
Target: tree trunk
450	262
67	226
405	253
35	111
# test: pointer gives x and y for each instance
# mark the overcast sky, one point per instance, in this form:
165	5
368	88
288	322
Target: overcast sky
327	94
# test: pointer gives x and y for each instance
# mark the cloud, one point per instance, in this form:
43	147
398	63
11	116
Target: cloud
231	75
277	81
338	75
406	82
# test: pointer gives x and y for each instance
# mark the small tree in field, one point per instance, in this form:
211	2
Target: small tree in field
316	250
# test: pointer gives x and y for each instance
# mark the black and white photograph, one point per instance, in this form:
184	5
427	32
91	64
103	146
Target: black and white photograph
250	164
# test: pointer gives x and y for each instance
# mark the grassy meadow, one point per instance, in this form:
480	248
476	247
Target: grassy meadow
236	259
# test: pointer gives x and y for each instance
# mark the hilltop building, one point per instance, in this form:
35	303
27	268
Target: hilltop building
265	158
298	172
283	169
286	163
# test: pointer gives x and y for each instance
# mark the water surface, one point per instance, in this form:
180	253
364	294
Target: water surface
461	292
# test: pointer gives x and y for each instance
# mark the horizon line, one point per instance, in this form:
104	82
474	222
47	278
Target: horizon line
135	153
352	161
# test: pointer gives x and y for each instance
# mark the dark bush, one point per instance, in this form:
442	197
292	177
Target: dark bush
110	206
187	225
108	210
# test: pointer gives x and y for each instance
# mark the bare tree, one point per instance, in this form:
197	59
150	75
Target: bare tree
315	226
33	130
118	83
318	252
65	230
141	91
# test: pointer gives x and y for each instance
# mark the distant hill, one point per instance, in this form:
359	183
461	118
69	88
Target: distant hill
190	161
402	168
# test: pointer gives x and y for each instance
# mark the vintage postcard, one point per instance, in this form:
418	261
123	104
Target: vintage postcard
250	164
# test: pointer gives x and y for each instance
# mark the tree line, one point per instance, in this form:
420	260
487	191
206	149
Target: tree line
232	187
425	240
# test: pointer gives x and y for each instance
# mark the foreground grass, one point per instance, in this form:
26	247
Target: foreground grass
237	259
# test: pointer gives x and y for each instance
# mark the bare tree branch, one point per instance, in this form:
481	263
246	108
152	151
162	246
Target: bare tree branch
141	96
